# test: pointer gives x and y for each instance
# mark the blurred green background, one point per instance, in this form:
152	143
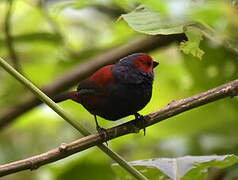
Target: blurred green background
51	37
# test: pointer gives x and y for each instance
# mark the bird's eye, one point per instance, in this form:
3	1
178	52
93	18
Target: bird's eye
149	63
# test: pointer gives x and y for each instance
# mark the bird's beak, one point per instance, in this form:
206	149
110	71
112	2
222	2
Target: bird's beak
155	63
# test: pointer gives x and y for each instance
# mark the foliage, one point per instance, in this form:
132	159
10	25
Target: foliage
213	19
184	168
192	45
52	37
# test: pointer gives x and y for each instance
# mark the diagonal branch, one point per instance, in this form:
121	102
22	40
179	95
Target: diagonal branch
9	39
174	108
81	71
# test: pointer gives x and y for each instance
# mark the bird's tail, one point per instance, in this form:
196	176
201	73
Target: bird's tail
73	95
62	97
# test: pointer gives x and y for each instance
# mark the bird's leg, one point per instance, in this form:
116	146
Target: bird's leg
140	117
101	131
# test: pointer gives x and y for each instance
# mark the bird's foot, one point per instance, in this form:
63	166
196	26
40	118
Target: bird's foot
103	133
141	118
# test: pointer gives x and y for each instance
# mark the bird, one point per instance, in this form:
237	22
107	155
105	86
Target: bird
116	91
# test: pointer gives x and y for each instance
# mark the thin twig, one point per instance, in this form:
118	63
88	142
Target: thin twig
9	39
174	108
35	37
81	71
54	26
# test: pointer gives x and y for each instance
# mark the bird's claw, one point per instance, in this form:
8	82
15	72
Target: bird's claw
103	133
141	118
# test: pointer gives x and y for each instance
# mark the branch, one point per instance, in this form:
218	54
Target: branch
81	71
35	36
174	108
9	39
51	22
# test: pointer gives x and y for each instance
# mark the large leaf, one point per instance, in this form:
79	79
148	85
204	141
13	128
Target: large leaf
217	20
147	21
181	168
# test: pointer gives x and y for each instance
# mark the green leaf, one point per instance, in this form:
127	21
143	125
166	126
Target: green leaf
145	20
217	21
192	45
181	168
